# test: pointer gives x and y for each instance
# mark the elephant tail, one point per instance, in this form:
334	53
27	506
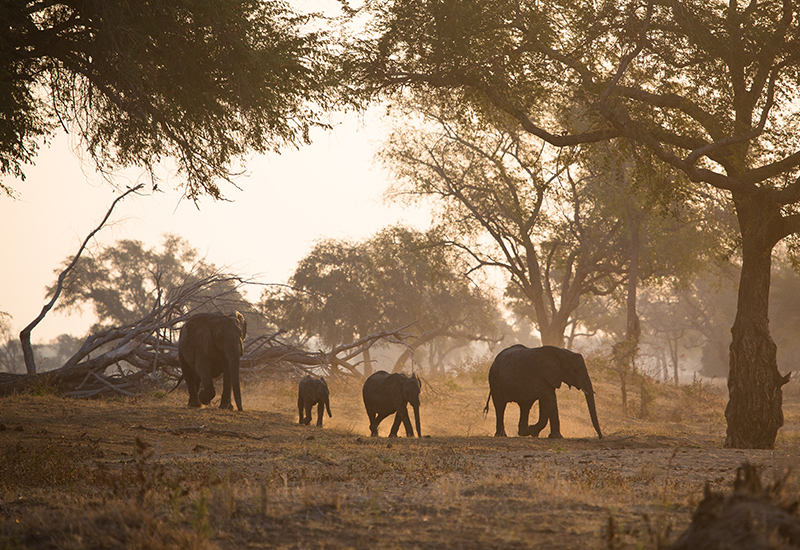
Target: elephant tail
486	408
176	385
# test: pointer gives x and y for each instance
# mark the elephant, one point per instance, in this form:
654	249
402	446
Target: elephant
525	375
386	394
310	392
210	344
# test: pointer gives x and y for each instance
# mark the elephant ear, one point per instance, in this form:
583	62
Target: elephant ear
551	368
573	370
391	382
241	323
394	387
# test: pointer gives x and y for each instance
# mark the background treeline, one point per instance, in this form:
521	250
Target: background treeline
343	291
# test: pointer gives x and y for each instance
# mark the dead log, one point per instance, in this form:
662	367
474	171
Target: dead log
139	352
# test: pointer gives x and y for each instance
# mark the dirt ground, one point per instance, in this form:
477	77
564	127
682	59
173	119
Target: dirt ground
148	472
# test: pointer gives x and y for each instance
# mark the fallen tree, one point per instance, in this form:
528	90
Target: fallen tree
143	355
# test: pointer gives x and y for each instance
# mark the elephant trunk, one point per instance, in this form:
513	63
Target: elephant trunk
593	411
416	420
328	407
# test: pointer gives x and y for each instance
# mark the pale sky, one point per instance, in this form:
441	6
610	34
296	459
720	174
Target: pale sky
332	188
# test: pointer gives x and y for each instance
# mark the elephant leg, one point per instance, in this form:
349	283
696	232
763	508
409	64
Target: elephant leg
320	412
300	409
373	426
190	375
207	391
373	430
237	390
403	414
225	402
499	412
396	424
524	414
307	416
537	428
548	409
193	385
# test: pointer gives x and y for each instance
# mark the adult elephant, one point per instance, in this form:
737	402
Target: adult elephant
210	344
525	375
313	391
386	394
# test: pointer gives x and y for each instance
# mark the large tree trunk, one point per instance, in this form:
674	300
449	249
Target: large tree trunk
754	411
624	352
552	335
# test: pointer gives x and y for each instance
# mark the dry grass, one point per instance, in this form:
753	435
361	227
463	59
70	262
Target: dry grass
75	477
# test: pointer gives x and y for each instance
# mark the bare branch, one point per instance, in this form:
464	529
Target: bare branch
25	334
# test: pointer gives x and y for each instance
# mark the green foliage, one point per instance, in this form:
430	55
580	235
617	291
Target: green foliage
200	82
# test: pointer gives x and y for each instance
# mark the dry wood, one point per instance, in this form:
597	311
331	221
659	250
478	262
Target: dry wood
146	352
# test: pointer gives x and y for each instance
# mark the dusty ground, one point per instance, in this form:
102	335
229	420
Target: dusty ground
72	476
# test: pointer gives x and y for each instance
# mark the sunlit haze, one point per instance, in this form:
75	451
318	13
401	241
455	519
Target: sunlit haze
285	203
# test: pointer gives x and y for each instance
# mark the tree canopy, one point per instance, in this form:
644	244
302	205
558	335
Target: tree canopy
125	282
342	291
555	223
143	83
710	88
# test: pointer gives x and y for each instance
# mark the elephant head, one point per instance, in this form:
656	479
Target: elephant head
570	368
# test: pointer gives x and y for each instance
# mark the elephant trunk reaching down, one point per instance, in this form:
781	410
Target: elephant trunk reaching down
416	419
589	393
328	406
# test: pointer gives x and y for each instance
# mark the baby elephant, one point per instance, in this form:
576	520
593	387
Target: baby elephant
386	394
313	391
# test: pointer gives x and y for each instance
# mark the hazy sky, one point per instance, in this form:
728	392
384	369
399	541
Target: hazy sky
287	202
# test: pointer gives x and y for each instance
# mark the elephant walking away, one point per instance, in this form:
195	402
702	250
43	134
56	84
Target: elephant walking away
313	391
525	375
386	394
210	344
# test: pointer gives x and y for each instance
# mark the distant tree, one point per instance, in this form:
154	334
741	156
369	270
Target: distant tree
562	227
141	82
497	197
125	281
343	291
58	351
11	359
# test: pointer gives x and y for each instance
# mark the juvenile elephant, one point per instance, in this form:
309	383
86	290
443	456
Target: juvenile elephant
210	344
386	394
525	375
310	392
